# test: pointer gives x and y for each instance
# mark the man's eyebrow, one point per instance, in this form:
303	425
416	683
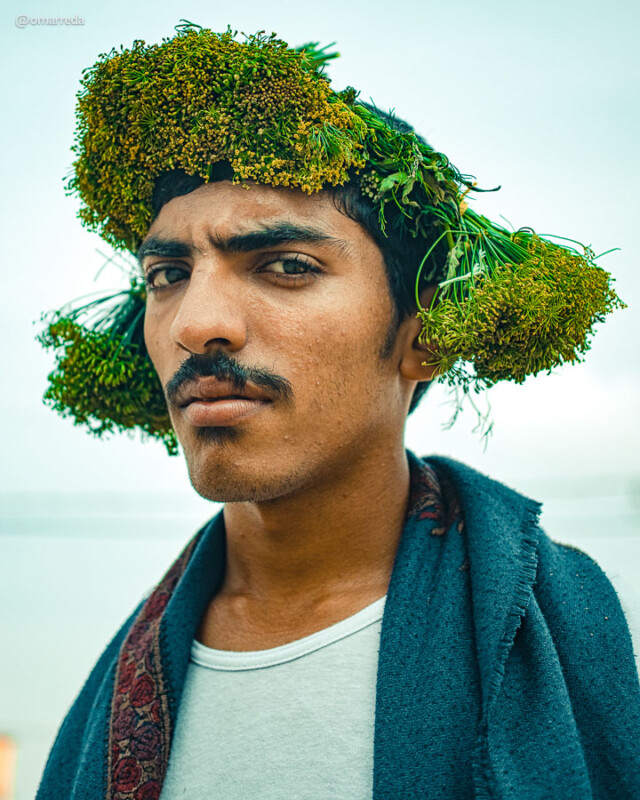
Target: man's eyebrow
279	233
264	237
168	248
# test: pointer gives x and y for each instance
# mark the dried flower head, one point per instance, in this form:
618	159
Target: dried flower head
520	317
103	377
198	98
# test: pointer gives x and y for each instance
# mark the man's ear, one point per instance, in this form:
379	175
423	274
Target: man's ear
414	353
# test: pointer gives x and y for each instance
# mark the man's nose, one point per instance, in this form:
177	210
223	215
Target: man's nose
211	314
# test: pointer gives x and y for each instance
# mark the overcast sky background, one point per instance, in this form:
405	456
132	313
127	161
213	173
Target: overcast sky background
541	99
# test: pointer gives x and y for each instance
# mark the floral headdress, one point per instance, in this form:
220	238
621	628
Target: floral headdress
508	304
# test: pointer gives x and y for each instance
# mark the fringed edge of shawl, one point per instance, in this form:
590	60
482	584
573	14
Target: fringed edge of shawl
482	767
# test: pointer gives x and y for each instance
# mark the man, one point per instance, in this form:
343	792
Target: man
356	622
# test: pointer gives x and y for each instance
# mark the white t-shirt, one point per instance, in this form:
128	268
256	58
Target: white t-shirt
294	721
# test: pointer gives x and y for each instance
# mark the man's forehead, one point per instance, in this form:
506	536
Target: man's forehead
249	201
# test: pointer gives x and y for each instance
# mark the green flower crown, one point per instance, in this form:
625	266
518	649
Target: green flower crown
509	304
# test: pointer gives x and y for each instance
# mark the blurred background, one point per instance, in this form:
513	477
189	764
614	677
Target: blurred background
541	99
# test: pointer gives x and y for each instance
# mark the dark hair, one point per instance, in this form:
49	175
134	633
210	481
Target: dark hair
401	252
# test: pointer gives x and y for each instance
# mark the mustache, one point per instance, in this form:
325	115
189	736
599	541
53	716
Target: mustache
223	367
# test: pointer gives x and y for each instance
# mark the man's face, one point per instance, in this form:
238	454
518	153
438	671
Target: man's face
280	284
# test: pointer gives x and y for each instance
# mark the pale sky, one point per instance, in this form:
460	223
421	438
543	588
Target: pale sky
540	99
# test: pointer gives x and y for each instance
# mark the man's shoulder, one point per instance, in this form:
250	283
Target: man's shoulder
472	481
494	513
570	584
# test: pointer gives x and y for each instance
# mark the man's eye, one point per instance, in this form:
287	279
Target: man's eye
290	266
159	277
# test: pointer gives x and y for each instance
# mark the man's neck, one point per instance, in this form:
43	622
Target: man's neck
338	536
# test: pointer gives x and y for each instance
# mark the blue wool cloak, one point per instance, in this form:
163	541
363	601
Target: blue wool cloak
506	669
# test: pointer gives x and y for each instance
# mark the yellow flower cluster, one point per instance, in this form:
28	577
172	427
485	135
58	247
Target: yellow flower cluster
198	98
520	319
105	384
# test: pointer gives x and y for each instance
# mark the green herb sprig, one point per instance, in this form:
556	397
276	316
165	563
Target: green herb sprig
104	378
512	305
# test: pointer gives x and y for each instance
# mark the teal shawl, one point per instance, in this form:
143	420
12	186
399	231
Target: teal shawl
505	672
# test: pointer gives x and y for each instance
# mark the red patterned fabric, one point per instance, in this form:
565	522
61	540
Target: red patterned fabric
433	498
140	730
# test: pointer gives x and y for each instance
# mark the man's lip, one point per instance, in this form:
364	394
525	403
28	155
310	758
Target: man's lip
223	411
212	389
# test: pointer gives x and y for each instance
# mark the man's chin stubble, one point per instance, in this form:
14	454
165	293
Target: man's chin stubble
218	435
239	491
228	485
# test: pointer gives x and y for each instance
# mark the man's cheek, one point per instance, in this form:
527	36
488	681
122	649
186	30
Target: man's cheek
152	339
165	358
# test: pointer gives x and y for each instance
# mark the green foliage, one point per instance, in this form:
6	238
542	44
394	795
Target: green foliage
408	177
198	98
103	377
533	310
